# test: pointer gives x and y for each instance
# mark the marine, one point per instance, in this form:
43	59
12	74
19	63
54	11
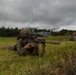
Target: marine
26	43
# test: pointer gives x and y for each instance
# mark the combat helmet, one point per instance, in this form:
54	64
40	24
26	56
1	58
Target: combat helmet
25	32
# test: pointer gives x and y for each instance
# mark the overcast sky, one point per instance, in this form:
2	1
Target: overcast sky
48	14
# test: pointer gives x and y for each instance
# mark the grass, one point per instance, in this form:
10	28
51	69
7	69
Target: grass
58	59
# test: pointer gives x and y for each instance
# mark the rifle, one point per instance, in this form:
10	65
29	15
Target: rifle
43	42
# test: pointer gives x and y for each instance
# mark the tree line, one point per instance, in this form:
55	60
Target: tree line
63	32
13	32
9	32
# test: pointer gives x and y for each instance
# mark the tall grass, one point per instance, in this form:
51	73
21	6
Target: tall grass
57	60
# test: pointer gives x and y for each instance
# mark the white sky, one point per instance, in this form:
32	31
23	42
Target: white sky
48	14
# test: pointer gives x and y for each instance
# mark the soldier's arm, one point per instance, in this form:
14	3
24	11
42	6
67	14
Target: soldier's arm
21	50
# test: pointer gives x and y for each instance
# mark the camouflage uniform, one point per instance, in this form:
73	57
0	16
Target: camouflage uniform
25	43
28	43
73	37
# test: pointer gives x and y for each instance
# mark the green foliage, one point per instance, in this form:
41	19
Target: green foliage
10	32
7	32
58	59
62	32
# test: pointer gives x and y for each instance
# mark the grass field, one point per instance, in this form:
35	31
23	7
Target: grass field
58	59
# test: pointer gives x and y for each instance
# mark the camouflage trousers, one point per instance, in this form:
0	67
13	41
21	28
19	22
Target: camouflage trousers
9	47
30	48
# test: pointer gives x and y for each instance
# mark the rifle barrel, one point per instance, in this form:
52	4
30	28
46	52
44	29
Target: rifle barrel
53	42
